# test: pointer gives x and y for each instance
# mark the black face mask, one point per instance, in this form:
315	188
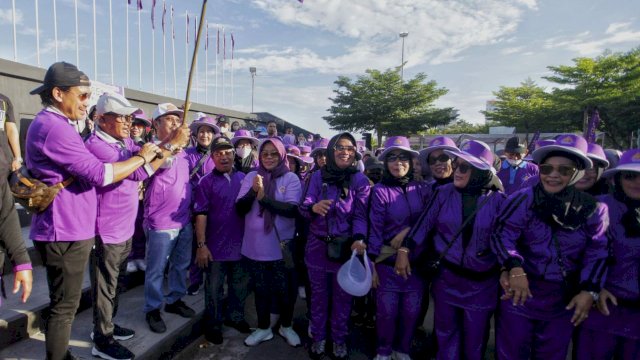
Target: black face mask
375	175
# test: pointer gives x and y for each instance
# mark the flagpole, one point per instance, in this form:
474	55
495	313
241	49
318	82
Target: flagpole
95	44
55	28
111	39
126	11
173	51
193	61
139	51
37	34
15	38
217	51
232	49
164	47
75	10
153	60
206	67
224	56
186	47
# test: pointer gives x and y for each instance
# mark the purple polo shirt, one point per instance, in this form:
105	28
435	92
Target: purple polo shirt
193	157
167	199
118	202
54	153
215	197
512	178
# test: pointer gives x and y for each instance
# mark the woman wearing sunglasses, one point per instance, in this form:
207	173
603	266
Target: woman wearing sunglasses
396	203
336	206
592	182
550	240
454	232
613	330
438	164
269	197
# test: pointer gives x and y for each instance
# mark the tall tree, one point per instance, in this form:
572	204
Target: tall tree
381	102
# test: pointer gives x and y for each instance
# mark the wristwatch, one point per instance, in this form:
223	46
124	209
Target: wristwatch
172	148
594	295
19	159
200	245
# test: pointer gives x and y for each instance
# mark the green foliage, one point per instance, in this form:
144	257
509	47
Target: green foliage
381	102
461	127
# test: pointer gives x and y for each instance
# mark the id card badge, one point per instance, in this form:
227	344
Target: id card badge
3	118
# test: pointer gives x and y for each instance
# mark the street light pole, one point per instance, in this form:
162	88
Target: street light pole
252	70
403	35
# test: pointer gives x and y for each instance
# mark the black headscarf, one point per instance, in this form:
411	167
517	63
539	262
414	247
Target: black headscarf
631	219
390	180
568	209
480	182
331	173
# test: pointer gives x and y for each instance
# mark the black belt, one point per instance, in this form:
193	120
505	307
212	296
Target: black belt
471	274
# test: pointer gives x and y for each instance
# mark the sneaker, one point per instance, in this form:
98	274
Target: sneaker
141	264
400	356
316	351
241	326
131	267
290	335
340	351
258	336
193	289
382	357
120	333
70	356
156	324
110	349
302	293
180	308
214	337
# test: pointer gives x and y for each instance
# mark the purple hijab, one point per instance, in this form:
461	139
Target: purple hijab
269	178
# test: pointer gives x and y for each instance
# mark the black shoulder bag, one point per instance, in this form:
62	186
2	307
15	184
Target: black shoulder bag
338	247
285	247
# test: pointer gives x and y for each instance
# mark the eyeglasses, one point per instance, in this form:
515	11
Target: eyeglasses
122	119
442	158
223	153
347	149
82	96
563	170
462	167
268	154
399	157
629	175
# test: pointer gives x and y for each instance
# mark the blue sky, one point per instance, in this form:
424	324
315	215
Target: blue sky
471	47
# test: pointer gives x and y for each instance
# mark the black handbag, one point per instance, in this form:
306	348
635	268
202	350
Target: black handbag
338	247
287	252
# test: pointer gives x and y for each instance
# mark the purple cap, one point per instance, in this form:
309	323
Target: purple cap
629	161
439	143
397	143
476	153
321	144
205	121
141	116
243	134
596	154
305	149
294	152
571	144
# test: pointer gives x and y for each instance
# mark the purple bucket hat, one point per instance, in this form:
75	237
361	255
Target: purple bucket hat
572	144
477	153
205	121
438	143
139	115
321	144
305	149
397	143
294	152
597	156
243	134
630	161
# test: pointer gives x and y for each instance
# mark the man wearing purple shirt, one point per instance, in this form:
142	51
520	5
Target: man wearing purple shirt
63	233
515	170
219	233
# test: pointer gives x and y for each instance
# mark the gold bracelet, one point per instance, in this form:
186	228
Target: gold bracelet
518	275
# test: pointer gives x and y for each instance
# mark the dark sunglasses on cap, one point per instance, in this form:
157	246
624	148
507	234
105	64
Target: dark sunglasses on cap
399	157
442	158
463	167
629	175
563	170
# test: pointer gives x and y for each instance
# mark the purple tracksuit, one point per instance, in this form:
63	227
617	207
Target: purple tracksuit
541	328
465	290
513	177
616	335
347	217
398	300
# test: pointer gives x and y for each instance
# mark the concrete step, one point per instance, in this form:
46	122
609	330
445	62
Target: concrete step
145	344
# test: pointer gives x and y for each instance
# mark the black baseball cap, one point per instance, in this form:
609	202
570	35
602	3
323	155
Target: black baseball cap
62	74
221	142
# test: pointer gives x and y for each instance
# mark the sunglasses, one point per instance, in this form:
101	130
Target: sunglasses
442	158
462	167
122	119
267	154
563	170
399	157
629	175
347	149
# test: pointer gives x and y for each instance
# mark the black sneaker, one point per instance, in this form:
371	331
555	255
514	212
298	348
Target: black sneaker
110	349
156	324
241	326
120	333
214	337
180	308
193	289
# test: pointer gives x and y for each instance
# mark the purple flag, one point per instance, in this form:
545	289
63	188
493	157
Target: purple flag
128	2
139	4
233	45
187	30
594	121
153	14
164	12
532	143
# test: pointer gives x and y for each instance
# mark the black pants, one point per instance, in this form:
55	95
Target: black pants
273	281
107	263
65	262
237	277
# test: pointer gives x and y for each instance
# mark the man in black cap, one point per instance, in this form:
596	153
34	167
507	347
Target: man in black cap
515	170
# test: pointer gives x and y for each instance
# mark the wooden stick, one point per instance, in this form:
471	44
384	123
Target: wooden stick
187	105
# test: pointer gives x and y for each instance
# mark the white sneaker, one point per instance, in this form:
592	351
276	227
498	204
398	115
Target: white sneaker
258	336
141	264
400	356
131	267
290	335
302	293
382	357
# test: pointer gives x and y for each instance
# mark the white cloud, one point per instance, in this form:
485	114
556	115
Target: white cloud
615	27
6	16
512	50
585	44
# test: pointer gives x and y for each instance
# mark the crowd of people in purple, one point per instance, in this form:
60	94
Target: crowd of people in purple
547	244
